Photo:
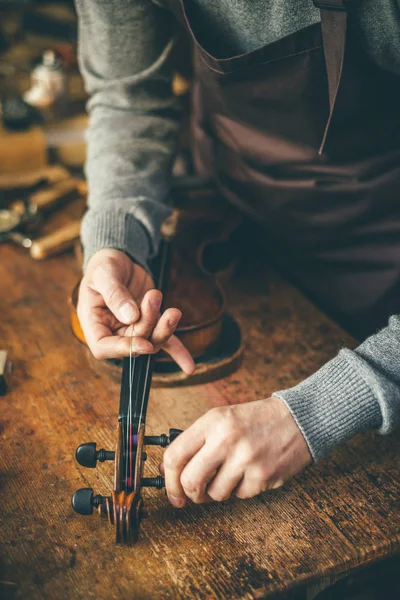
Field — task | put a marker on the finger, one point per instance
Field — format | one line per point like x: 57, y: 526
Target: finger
x: 249, y: 487
x: 162, y: 472
x: 225, y: 481
x: 180, y: 355
x: 98, y: 334
x: 165, y: 327
x: 105, y: 346
x: 173, y: 346
x: 91, y: 316
x: 200, y: 470
x: 149, y: 313
x: 116, y: 296
x: 176, y: 457
x: 162, y: 338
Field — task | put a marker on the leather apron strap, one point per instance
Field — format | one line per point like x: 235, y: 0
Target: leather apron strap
x: 334, y: 29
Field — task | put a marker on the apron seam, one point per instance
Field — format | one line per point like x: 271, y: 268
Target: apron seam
x: 258, y: 64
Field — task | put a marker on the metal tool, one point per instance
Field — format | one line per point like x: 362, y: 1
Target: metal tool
x: 14, y: 225
x: 23, y: 217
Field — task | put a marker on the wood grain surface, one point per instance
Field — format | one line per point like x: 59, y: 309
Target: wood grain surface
x: 332, y: 519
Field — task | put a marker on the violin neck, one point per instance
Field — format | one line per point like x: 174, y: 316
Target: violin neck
x: 137, y: 372
x: 136, y: 378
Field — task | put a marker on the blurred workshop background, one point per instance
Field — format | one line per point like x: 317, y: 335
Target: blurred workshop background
x: 42, y: 129
x: 43, y: 122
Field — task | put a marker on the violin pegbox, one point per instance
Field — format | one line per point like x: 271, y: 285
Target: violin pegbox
x: 125, y: 508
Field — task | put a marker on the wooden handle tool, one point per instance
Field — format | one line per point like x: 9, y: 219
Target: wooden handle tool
x: 27, y: 179
x: 61, y: 192
x: 55, y: 242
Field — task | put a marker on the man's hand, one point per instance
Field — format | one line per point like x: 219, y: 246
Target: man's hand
x: 243, y: 449
x: 116, y: 296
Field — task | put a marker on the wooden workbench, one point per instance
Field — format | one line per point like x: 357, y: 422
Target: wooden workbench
x: 334, y: 518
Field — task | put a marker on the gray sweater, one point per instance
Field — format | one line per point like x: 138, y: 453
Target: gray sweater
x: 125, y: 58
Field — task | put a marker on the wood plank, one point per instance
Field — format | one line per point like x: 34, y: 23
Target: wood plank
x: 335, y: 517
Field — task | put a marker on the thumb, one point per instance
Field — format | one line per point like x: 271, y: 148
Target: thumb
x: 116, y: 296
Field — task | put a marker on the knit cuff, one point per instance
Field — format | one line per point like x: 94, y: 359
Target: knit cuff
x: 332, y: 406
x: 118, y: 230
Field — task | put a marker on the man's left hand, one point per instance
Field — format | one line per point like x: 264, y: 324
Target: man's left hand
x: 244, y: 449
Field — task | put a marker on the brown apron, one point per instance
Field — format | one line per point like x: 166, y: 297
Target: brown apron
x: 304, y: 136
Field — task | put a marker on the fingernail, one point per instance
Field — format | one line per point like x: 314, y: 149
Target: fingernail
x: 139, y: 349
x: 155, y: 303
x: 127, y: 312
x: 172, y: 323
x: 177, y: 502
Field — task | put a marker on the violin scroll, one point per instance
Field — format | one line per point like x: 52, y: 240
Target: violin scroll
x: 124, y: 509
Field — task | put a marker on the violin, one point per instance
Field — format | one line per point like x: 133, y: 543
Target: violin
x: 124, y: 509
x: 185, y: 276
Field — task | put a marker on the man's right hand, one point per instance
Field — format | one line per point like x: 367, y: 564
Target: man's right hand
x: 117, y: 298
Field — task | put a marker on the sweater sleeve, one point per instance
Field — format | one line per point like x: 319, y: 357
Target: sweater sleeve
x: 125, y: 58
x: 356, y: 391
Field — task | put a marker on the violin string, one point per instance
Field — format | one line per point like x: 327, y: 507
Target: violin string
x: 144, y: 390
x: 161, y: 277
x: 129, y: 416
x: 160, y: 280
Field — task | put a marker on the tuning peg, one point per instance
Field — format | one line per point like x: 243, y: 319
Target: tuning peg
x: 162, y: 440
x: 157, y: 482
x: 87, y: 455
x: 83, y: 501
x: 173, y: 434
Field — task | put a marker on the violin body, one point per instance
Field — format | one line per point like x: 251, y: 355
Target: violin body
x: 201, y: 259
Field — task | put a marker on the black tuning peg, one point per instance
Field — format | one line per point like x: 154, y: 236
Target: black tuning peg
x: 83, y: 501
x: 162, y: 440
x: 87, y: 455
x: 157, y: 482
x: 173, y: 434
